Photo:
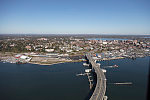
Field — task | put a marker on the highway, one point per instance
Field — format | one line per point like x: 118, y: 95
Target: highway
x: 100, y: 89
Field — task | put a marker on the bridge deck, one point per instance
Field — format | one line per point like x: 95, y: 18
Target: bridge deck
x: 100, y: 88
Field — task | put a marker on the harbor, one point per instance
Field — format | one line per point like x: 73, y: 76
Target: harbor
x: 61, y: 77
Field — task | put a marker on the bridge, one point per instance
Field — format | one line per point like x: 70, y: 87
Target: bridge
x: 100, y: 89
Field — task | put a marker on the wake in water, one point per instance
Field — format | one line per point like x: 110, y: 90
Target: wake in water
x: 122, y: 83
x: 114, y: 66
x: 81, y: 74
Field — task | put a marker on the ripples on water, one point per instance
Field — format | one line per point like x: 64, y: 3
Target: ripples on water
x: 135, y: 71
x: 36, y: 82
x: 59, y: 82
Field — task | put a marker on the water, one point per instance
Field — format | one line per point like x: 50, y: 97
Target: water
x: 106, y: 39
x: 37, y: 82
x: 145, y: 37
x: 59, y: 82
x: 135, y: 71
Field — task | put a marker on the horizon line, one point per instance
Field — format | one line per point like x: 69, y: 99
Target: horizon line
x: 74, y: 34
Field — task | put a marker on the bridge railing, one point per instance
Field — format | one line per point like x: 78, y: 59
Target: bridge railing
x: 100, y: 88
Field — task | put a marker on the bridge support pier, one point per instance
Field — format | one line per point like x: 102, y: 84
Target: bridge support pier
x: 100, y: 88
x: 105, y: 97
x: 90, y: 81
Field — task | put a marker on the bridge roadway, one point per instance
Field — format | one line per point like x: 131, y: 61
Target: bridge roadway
x: 100, y: 89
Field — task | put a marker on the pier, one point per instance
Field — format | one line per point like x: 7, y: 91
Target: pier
x: 100, y: 89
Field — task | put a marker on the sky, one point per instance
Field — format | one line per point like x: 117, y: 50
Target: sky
x: 75, y: 16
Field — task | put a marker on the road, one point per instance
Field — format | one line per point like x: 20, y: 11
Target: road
x: 100, y: 88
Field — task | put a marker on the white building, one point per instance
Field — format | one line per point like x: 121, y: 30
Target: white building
x: 49, y: 50
x: 104, y: 42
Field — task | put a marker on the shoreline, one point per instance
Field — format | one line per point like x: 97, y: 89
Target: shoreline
x: 70, y: 61
x: 45, y: 64
x: 54, y: 63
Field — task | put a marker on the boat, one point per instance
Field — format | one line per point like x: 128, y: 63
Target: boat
x: 88, y: 70
x: 115, y: 66
x: 81, y: 74
x: 85, y: 64
x: 19, y: 62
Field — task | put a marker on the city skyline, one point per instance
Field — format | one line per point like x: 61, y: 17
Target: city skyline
x: 75, y: 16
